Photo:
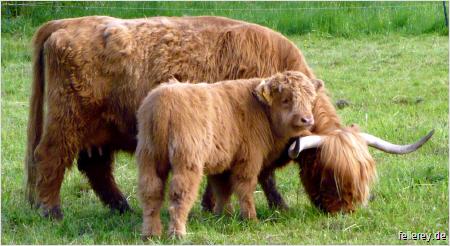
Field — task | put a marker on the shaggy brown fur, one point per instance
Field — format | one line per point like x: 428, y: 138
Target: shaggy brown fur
x: 337, y: 179
x: 240, y: 126
x: 333, y: 186
x: 93, y: 72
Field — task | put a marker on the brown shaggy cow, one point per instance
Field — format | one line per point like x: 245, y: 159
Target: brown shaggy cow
x: 238, y: 125
x: 338, y: 179
x: 93, y: 73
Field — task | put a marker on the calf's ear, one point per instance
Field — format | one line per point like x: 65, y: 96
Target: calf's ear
x: 318, y: 83
x: 262, y: 92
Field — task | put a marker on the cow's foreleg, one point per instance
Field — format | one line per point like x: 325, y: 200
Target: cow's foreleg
x: 268, y: 184
x: 222, y: 190
x: 98, y: 167
x: 208, y: 200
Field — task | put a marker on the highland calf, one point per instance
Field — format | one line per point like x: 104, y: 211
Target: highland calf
x: 239, y: 126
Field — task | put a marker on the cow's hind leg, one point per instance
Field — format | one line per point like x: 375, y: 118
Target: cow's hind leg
x: 97, y: 165
x: 53, y: 155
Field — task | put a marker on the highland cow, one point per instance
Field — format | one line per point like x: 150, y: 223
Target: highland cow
x: 93, y: 72
x: 239, y: 126
x: 338, y: 179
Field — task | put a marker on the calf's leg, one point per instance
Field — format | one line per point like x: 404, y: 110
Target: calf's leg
x: 151, y: 183
x: 244, y: 184
x: 98, y: 168
x: 183, y: 192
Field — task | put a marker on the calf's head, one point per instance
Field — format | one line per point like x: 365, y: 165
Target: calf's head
x: 289, y: 97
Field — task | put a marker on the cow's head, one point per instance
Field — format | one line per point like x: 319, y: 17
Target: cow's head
x: 289, y: 97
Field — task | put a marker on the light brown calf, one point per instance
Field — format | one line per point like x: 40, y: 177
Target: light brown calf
x: 239, y: 126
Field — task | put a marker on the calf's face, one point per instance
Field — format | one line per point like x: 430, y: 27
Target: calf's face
x: 290, y: 97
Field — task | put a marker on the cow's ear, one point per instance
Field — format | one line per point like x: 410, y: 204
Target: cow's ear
x: 318, y: 83
x: 262, y: 92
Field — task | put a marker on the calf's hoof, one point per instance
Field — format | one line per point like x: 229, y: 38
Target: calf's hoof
x: 177, y: 231
x: 228, y: 210
x: 53, y: 213
x: 153, y: 230
x: 146, y: 238
x: 225, y: 209
x: 250, y: 217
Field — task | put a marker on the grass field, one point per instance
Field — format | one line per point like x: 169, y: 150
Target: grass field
x: 397, y: 86
x: 344, y: 19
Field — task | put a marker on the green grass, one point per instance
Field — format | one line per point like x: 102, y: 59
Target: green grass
x: 335, y: 18
x: 397, y: 86
x: 381, y: 76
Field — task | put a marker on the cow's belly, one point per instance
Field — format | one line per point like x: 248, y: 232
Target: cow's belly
x: 108, y: 135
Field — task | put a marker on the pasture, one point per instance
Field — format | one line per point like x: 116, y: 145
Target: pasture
x: 396, y: 83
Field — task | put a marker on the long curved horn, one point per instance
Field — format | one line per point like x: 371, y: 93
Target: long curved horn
x: 315, y: 141
x: 385, y: 146
x: 302, y: 143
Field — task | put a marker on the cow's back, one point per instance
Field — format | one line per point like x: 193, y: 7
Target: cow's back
x: 110, y: 64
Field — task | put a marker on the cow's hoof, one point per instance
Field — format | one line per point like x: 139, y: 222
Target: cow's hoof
x: 121, y: 206
x: 53, y: 213
x: 208, y: 204
x: 280, y: 206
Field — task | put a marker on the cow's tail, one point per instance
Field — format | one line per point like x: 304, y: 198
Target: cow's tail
x: 35, y: 118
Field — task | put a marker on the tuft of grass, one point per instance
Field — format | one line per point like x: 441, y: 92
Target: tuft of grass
x: 343, y: 19
x: 381, y: 75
